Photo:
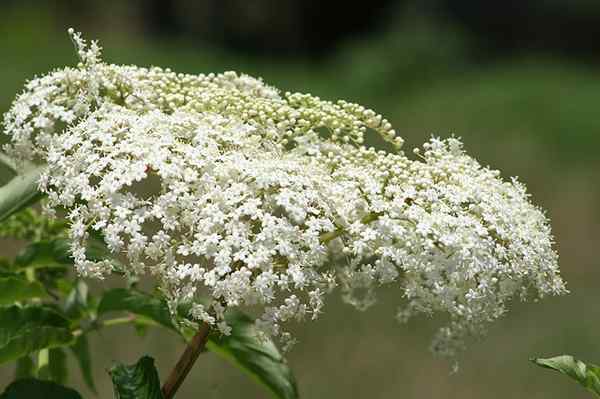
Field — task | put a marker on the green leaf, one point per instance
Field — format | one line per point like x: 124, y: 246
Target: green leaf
x: 588, y: 375
x: 14, y: 319
x: 136, y: 302
x: 141, y: 327
x: 58, y: 365
x: 139, y: 380
x: 56, y: 369
x: 97, y: 250
x: 27, y: 329
x: 45, y: 254
x: 5, y: 266
x: 77, y: 301
x: 28, y: 224
x: 38, y: 389
x: 20, y: 192
x: 57, y: 254
x: 33, y: 340
x: 81, y: 350
x: 8, y: 169
x: 257, y: 356
x: 15, y: 289
x: 25, y: 368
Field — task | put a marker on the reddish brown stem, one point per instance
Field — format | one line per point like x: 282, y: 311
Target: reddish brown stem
x: 185, y: 362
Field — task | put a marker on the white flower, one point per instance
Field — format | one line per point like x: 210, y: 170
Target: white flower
x: 218, y: 185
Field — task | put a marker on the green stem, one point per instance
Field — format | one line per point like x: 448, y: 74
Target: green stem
x: 118, y: 320
x: 105, y: 323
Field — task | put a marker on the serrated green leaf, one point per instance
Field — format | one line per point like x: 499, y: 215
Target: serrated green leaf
x: 38, y: 389
x: 27, y: 329
x: 256, y: 356
x: 25, y: 368
x: 20, y: 192
x: 56, y: 369
x: 136, y: 302
x: 33, y: 340
x: 14, y: 319
x: 81, y: 350
x: 15, y: 316
x: 587, y: 375
x: 16, y: 289
x: 139, y: 380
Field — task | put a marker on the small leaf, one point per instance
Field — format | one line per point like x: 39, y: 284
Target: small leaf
x: 30, y: 328
x: 20, y: 192
x: 81, y: 350
x: 25, y: 368
x: 588, y: 375
x: 38, y: 389
x: 139, y: 380
x: 257, y: 356
x: 16, y: 289
x: 136, y: 302
x: 56, y: 369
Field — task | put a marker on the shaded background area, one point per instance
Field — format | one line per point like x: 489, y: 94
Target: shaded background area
x: 519, y: 81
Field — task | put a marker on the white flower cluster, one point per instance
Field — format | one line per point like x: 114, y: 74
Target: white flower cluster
x: 220, y: 186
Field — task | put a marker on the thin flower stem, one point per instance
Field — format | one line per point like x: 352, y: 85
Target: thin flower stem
x: 185, y: 362
x: 106, y: 323
x: 118, y: 320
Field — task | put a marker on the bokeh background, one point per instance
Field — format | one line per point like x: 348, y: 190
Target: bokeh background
x: 519, y: 81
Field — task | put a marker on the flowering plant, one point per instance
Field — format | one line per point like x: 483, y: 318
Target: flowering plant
x: 233, y: 196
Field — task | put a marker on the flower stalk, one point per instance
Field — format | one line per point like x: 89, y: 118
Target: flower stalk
x: 185, y: 362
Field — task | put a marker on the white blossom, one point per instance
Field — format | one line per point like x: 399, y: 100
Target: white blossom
x: 220, y: 186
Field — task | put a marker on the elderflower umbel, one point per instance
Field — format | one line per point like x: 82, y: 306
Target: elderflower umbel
x: 221, y: 186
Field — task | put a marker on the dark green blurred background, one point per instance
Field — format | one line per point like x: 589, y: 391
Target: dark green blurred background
x: 519, y: 81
